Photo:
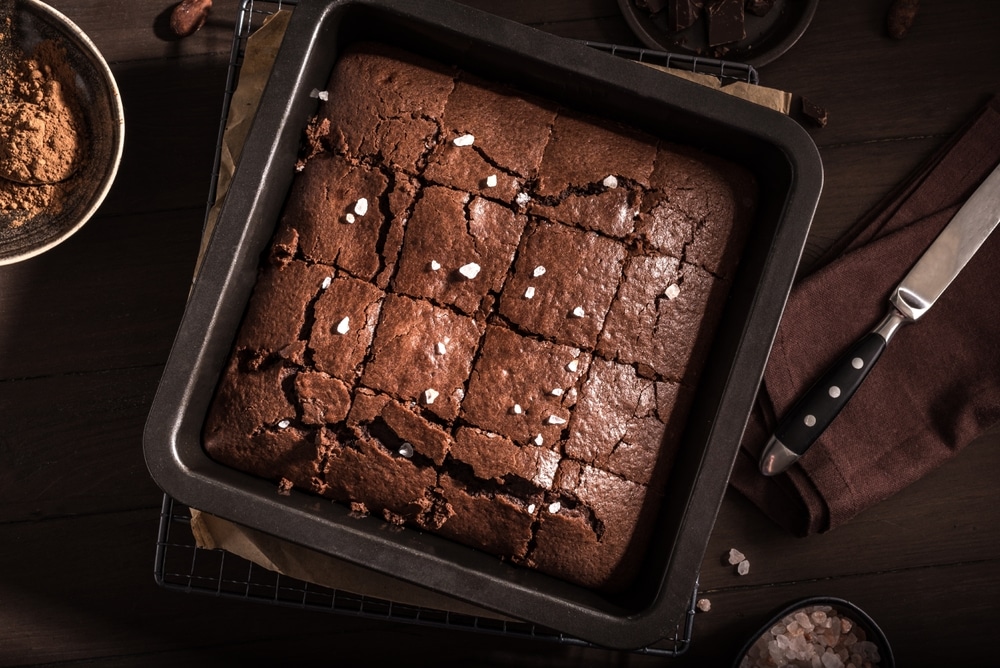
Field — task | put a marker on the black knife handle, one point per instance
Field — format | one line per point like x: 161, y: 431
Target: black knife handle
x: 817, y: 408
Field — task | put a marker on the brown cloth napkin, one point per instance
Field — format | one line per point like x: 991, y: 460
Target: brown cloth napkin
x: 936, y: 387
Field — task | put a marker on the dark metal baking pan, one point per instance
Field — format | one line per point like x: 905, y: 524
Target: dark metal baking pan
x: 774, y: 148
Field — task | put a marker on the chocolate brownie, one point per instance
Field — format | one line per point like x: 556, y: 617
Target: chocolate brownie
x: 563, y: 283
x: 447, y: 231
x: 483, y: 315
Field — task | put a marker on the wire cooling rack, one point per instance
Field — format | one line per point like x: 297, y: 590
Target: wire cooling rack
x: 181, y: 565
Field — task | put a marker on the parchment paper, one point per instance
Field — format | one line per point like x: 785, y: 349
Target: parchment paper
x: 211, y: 532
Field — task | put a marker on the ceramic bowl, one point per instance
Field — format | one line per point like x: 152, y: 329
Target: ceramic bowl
x: 103, y: 121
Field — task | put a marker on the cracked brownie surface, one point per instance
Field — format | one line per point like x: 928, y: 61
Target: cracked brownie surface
x: 483, y: 315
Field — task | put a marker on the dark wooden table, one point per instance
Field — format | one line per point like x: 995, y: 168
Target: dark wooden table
x: 86, y: 327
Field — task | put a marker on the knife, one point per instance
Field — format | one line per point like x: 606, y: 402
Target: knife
x: 927, y: 279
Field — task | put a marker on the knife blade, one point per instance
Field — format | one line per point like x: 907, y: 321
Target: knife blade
x: 930, y: 276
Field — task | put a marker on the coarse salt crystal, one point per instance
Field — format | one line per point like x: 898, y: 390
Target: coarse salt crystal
x: 672, y: 291
x: 522, y: 199
x: 321, y: 94
x: 578, y: 312
x: 554, y: 507
x: 283, y: 424
x: 531, y: 508
x: 440, y: 348
x: 704, y: 605
x: 529, y: 292
x: 491, y: 181
x: 470, y: 270
x: 435, y: 265
x: 573, y: 366
x: 556, y: 392
x: 539, y: 440
x: 610, y: 181
x: 430, y: 394
x: 555, y: 419
x: 743, y: 567
x: 516, y: 409
x: 406, y: 450
x: 464, y: 140
x: 349, y: 219
x: 361, y: 206
x: 539, y: 271
x: 734, y: 557
x: 344, y: 326
x: 326, y: 283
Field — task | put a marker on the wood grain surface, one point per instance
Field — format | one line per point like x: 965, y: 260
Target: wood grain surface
x: 85, y: 330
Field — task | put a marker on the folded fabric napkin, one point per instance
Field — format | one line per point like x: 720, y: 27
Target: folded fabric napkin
x: 936, y: 387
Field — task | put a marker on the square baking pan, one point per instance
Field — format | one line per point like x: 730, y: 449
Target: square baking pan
x: 780, y: 154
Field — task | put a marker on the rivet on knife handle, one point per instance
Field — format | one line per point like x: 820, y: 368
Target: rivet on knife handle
x: 816, y: 409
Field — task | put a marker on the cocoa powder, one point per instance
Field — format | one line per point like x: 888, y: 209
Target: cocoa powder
x: 42, y: 140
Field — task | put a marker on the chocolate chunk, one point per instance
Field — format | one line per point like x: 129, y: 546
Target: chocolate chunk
x: 682, y: 14
x: 725, y: 22
x: 901, y: 16
x: 814, y: 113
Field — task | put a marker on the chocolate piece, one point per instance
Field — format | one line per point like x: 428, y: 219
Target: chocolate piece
x: 759, y: 7
x: 449, y: 229
x: 682, y: 14
x: 510, y: 133
x: 492, y: 522
x: 668, y: 329
x: 391, y: 116
x: 725, y: 21
x: 344, y: 321
x: 404, y: 359
x: 612, y: 212
x: 276, y: 313
x: 426, y: 438
x: 621, y: 421
x: 322, y: 398
x: 814, y: 113
x: 581, y: 271
x: 701, y: 209
x: 605, y: 528
x: 494, y: 457
x: 581, y: 153
x: 900, y: 19
x: 329, y: 230
x: 514, y: 370
x: 250, y: 427
x: 367, y: 471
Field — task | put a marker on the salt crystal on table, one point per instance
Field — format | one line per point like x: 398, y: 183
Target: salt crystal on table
x: 743, y: 567
x: 704, y: 605
x: 734, y: 557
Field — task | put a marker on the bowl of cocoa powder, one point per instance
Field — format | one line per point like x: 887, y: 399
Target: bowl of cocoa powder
x: 62, y: 129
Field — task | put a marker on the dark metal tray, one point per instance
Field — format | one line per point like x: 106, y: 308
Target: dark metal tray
x: 789, y: 173
x: 182, y: 566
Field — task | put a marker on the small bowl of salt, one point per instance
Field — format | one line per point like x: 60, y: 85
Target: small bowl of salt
x: 818, y: 632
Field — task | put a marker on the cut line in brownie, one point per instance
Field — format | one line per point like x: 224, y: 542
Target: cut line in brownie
x: 483, y: 315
